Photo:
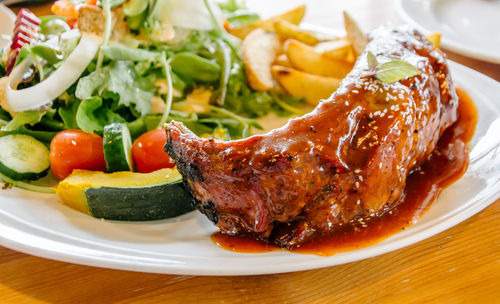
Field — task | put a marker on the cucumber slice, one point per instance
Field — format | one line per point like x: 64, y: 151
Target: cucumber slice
x: 22, y: 157
x: 117, y: 147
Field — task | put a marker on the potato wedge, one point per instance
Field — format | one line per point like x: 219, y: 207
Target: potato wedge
x: 300, y: 84
x: 258, y: 51
x: 293, y: 16
x: 307, y: 59
x: 434, y: 38
x: 355, y: 34
x: 337, y: 49
x: 287, y: 30
x: 283, y: 61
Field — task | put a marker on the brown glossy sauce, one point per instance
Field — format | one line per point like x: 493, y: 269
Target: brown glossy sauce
x: 446, y: 164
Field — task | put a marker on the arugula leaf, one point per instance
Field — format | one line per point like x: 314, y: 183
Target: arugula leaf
x: 396, y: 70
x: 92, y: 115
x: 121, y: 52
x: 232, y: 5
x: 241, y: 18
x: 47, y: 52
x: 68, y: 115
x: 223, y: 54
x: 240, y: 98
x: 23, y: 118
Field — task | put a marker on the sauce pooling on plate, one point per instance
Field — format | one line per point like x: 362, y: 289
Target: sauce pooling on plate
x: 447, y: 163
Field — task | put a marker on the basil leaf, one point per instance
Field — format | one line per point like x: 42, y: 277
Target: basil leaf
x: 372, y: 61
x: 395, y: 70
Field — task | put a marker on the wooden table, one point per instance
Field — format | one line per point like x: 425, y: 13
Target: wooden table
x: 460, y: 265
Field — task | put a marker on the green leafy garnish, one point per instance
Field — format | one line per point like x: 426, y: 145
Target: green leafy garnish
x: 168, y: 75
x: 372, y: 61
x: 92, y: 115
x: 390, y: 71
x: 121, y: 52
x: 23, y: 118
x: 25, y: 186
x: 119, y: 77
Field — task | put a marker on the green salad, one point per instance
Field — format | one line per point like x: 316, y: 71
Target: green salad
x: 118, y: 70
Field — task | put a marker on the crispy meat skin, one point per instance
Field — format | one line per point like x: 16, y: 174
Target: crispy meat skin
x: 348, y: 158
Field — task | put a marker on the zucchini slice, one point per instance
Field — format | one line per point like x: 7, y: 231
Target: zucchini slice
x: 117, y: 147
x: 126, y: 196
x: 22, y: 157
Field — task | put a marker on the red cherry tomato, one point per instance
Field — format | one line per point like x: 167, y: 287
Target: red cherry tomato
x: 148, y: 153
x: 76, y: 149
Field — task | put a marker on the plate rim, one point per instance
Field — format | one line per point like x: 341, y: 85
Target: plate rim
x: 446, y: 43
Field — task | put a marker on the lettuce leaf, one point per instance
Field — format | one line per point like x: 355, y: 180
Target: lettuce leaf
x: 121, y: 78
x: 93, y: 114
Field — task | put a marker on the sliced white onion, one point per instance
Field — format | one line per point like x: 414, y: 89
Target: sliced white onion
x: 60, y: 80
x: 189, y: 14
x: 54, y: 41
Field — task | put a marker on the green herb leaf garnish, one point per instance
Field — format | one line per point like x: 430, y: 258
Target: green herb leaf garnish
x: 390, y: 71
x: 372, y: 61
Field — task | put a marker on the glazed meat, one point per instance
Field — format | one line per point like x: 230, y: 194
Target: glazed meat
x: 347, y: 159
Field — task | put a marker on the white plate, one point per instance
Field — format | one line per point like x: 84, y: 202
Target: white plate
x: 7, y: 19
x: 40, y: 225
x: 468, y: 27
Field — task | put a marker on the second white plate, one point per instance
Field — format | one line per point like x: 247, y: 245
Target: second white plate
x: 468, y: 27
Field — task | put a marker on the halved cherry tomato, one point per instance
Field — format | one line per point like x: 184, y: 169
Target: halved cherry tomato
x: 148, y: 153
x: 76, y: 149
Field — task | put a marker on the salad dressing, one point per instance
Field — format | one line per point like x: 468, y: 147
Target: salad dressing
x: 446, y: 164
